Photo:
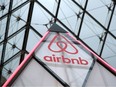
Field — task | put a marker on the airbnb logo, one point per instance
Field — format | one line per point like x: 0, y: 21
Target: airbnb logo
x: 62, y: 45
x: 59, y: 44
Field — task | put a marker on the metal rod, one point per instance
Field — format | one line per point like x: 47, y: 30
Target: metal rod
x: 57, y: 10
x: 5, y: 39
x: 106, y: 34
x: 82, y: 19
x: 27, y: 29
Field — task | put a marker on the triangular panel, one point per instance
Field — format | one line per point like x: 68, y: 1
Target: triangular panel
x: 35, y: 72
x: 67, y: 60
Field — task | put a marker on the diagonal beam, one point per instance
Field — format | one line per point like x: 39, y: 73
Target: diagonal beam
x: 27, y: 29
x: 32, y: 28
x: 5, y: 38
x: 82, y: 19
x: 106, y: 34
x: 56, y: 15
x: 12, y: 58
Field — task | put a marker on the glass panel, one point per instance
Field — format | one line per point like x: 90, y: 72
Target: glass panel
x: 10, y: 67
x: 113, y: 24
x: 14, y: 45
x: 70, y: 15
x: 4, y: 6
x: 17, y: 3
x: 100, y: 10
x: 32, y: 42
x: 18, y: 19
x: 92, y: 34
x: 41, y: 20
x: 2, y: 29
x: 51, y: 5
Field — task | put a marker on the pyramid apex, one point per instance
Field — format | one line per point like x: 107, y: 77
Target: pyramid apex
x: 57, y: 28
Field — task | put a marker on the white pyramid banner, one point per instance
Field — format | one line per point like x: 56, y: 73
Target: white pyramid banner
x: 65, y: 58
x: 61, y: 60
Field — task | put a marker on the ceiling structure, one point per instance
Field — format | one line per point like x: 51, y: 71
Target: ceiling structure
x: 24, y: 22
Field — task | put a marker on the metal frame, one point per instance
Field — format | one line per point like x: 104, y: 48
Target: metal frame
x: 5, y: 38
x: 28, y: 26
x: 27, y: 29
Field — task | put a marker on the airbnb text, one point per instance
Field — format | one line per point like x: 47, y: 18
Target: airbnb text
x: 65, y: 60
